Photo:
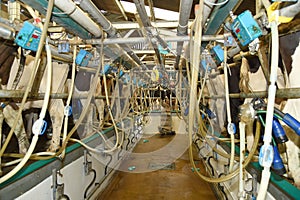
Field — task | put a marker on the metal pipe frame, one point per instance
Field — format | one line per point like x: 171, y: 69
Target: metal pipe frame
x: 157, y: 24
x: 134, y: 40
x: 151, y: 32
x: 6, y: 31
x: 289, y: 93
x: 185, y: 11
x: 90, y: 7
x: 18, y: 94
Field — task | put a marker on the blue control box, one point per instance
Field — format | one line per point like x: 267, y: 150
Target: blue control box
x: 246, y: 28
x: 218, y: 53
x: 29, y: 36
x: 83, y: 57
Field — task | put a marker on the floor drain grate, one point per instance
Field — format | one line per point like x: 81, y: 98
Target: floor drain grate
x: 166, y: 166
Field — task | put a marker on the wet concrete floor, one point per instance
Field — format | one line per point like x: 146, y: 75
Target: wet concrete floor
x: 174, y: 179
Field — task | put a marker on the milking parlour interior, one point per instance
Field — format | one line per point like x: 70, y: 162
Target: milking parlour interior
x: 149, y: 99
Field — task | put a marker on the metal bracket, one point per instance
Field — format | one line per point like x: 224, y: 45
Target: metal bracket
x: 86, y: 164
x: 58, y: 189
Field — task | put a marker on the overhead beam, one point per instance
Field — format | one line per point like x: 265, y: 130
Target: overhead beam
x: 219, y: 15
x: 59, y: 17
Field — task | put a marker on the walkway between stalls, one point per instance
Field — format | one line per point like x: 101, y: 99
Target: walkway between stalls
x: 174, y: 181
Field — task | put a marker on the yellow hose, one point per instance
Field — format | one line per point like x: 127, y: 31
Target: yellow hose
x: 234, y: 172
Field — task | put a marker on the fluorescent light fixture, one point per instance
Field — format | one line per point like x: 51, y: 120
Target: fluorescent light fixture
x: 159, y: 13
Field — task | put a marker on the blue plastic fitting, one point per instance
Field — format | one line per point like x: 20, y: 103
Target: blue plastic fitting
x: 277, y: 164
x: 266, y: 155
x: 107, y: 69
x: 231, y: 128
x: 186, y: 112
x: 68, y: 111
x: 292, y: 122
x: 278, y: 132
x: 210, y: 113
x: 83, y: 57
x: 121, y: 73
x: 44, y: 127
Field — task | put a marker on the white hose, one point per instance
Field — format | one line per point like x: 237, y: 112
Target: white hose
x: 49, y: 79
x: 65, y: 132
x: 270, y: 111
x: 229, y: 122
x: 23, y: 162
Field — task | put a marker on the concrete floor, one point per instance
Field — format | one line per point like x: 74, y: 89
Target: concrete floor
x: 166, y: 183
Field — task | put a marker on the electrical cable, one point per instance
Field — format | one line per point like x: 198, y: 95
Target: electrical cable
x: 36, y: 135
x: 91, y: 183
x: 264, y: 112
x: 20, y: 70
